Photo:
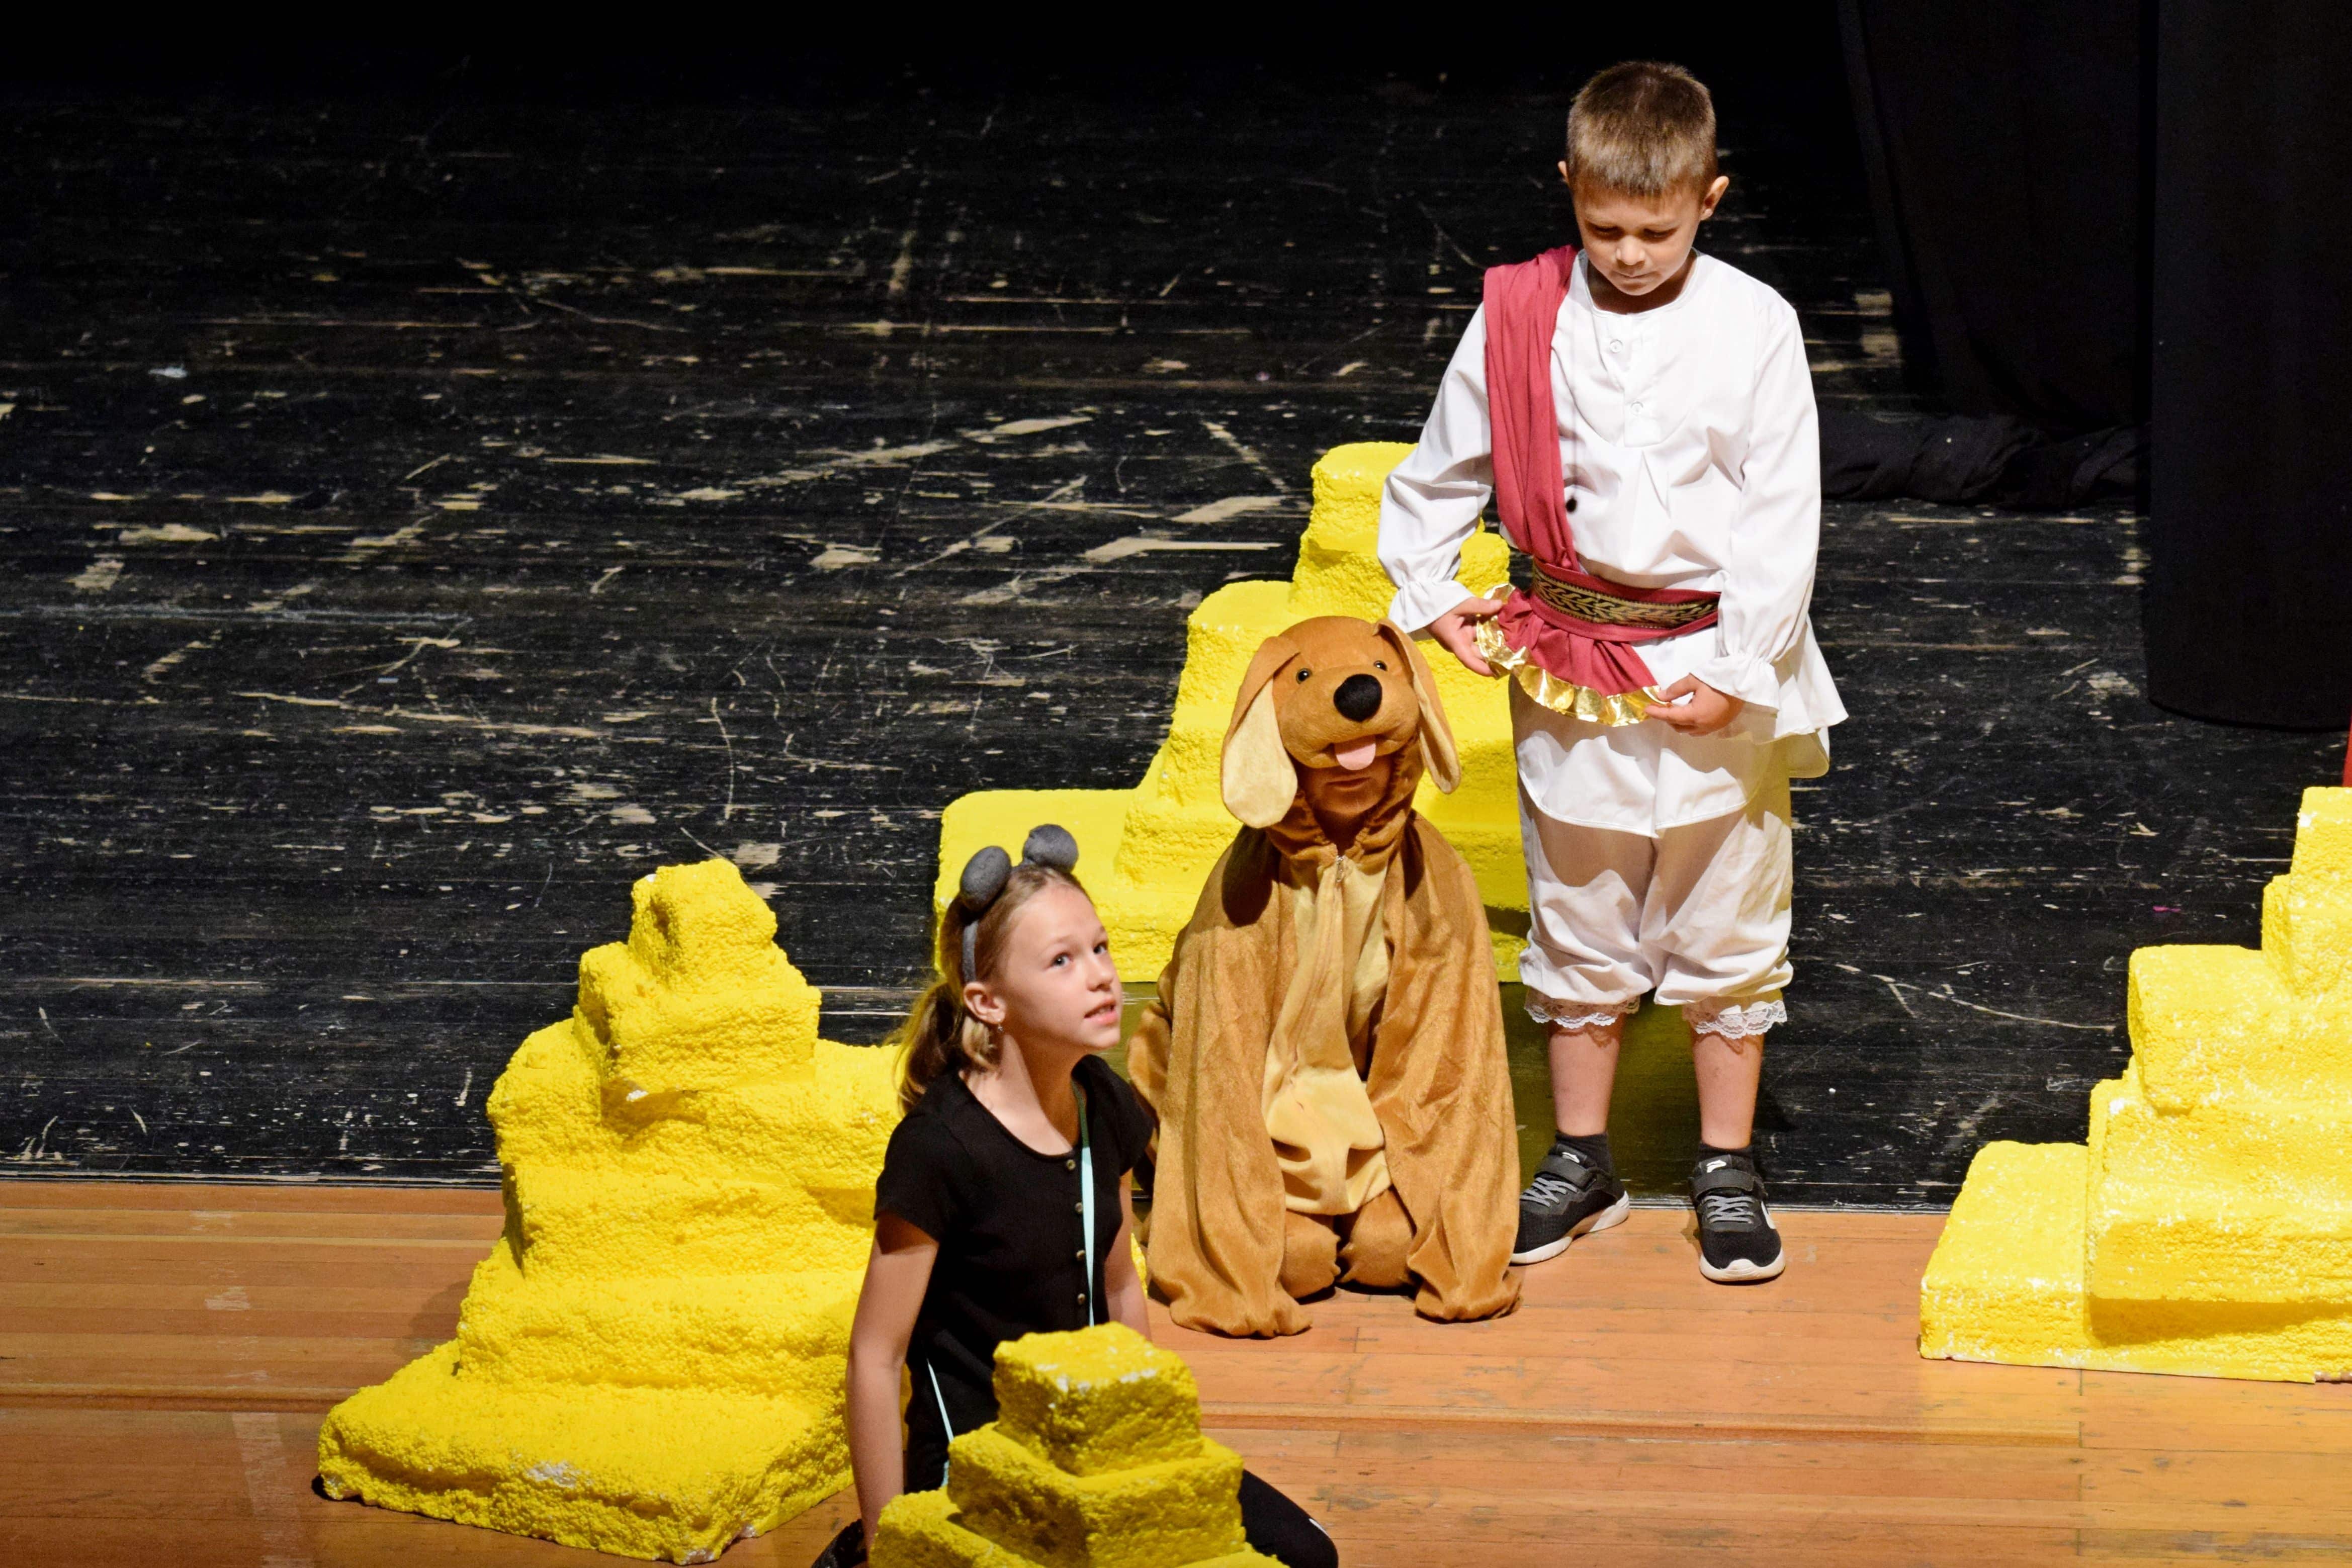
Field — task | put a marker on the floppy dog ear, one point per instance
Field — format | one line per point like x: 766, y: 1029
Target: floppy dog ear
x: 1438, y: 757
x: 1259, y: 779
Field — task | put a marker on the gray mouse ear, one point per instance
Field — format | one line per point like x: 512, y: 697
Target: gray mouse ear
x: 984, y: 879
x: 1050, y: 844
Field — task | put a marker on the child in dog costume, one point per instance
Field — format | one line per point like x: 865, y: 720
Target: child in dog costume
x: 1326, y: 1051
x: 1643, y: 417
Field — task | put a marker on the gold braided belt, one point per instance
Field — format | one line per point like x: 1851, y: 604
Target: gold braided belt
x: 1608, y: 610
x: 1607, y: 709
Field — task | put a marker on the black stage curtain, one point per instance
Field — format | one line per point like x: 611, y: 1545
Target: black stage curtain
x: 2249, y: 602
x: 2002, y: 142
x: 2105, y: 212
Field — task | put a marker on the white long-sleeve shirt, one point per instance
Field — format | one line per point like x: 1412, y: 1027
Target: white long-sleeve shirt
x: 1688, y: 442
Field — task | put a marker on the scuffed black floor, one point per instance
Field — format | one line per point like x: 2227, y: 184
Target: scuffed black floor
x: 422, y: 518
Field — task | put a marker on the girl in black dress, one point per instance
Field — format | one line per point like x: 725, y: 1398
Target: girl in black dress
x: 981, y: 1214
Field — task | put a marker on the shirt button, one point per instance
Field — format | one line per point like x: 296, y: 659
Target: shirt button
x: 1069, y: 1164
x: 1080, y: 1254
x: 1082, y: 1298
x: 1637, y: 408
x: 1617, y: 347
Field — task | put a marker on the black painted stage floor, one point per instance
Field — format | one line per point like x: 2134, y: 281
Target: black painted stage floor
x: 423, y: 517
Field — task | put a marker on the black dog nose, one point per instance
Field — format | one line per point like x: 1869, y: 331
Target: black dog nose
x: 1358, y: 696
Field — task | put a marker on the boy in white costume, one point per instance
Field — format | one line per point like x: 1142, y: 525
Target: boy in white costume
x: 1643, y: 417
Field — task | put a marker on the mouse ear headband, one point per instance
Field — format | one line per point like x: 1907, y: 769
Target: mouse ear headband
x: 986, y: 873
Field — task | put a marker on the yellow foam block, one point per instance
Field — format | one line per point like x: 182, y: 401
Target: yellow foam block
x: 2322, y: 837
x: 2246, y: 1152
x: 2234, y: 1202
x: 919, y: 1530
x: 672, y: 1474
x: 2006, y: 1280
x: 699, y: 988
x: 782, y: 1335
x: 1091, y: 1403
x: 2308, y: 935
x: 1339, y: 571
x: 554, y: 1104
x: 2207, y: 1228
x: 1096, y: 1461
x: 2006, y: 1285
x: 1170, y: 1511
x: 650, y: 1360
x: 2209, y: 1022
x: 1144, y: 852
x: 588, y: 1223
x: 2273, y: 1252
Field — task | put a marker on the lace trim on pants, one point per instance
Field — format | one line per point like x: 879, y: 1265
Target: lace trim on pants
x: 1576, y: 1015
x: 1732, y: 1021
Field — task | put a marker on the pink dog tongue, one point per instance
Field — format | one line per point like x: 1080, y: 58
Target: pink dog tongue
x: 1357, y: 756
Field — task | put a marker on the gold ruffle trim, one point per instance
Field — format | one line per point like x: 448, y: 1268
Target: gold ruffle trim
x: 1605, y: 709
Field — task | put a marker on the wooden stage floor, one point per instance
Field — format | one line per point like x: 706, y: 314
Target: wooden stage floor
x: 166, y: 1352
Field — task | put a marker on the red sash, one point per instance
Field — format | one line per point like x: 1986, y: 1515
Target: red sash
x: 1523, y: 304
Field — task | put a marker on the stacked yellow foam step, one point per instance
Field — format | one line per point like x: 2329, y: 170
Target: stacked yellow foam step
x: 651, y: 1359
x: 1095, y: 1460
x: 1144, y: 852
x: 2207, y: 1228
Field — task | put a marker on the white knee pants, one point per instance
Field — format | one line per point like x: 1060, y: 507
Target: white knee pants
x: 1699, y: 914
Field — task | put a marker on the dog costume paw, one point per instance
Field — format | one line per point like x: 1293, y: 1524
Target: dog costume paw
x: 1379, y: 1237
x: 1310, y: 1254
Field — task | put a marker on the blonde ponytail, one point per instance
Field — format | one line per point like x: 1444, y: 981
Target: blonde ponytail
x: 938, y: 1035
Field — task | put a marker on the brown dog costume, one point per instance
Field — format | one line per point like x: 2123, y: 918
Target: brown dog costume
x: 1325, y: 1052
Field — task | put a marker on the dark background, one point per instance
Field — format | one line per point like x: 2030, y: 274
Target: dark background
x: 440, y: 487
x: 2122, y: 217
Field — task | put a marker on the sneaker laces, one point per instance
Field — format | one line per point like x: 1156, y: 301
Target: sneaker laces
x: 1728, y: 1211
x: 1547, y: 1188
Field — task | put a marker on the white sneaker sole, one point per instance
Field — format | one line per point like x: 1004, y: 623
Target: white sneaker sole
x: 1613, y: 1215
x: 1739, y: 1271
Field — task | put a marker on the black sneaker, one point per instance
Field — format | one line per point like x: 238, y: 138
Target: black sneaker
x: 1736, y: 1242
x: 1568, y: 1197
x: 847, y: 1550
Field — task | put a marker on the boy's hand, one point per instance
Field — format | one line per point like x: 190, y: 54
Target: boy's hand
x: 1453, y: 631
x: 1707, y: 712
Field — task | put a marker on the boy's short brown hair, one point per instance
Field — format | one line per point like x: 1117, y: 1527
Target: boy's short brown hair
x: 1643, y: 129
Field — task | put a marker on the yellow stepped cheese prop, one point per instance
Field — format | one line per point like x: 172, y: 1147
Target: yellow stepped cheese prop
x: 1146, y: 851
x: 2207, y: 1228
x: 650, y: 1362
x: 1095, y: 1460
